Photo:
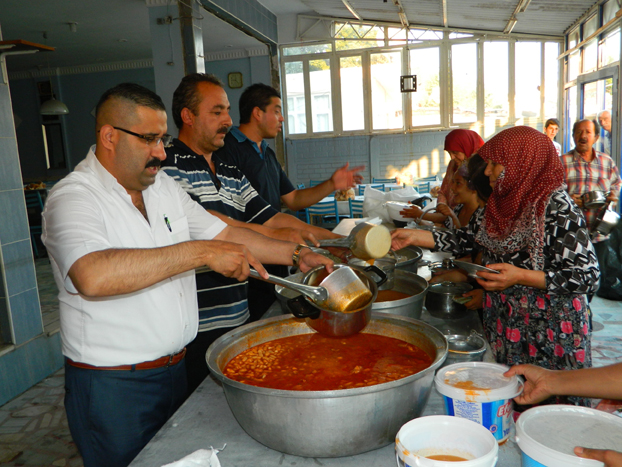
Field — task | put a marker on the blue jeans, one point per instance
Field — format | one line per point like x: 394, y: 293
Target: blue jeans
x: 113, y: 414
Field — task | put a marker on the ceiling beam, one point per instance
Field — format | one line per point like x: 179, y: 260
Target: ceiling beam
x: 444, y: 12
x: 521, y: 7
x: 351, y: 10
x: 401, y: 13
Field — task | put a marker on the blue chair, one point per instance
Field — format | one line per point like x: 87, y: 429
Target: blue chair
x: 356, y: 208
x: 313, y: 183
x: 422, y: 187
x: 34, y: 208
x: 431, y: 178
x: 377, y: 187
x: 384, y: 180
x: 300, y: 186
x: 324, y: 214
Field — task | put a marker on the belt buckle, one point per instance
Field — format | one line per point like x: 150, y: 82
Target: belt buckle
x: 170, y: 360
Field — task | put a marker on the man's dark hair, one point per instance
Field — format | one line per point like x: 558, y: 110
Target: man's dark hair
x: 186, y: 94
x: 132, y: 92
x: 551, y: 121
x: 257, y: 95
x: 594, y: 121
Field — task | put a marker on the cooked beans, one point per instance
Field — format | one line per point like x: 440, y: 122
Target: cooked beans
x: 312, y: 362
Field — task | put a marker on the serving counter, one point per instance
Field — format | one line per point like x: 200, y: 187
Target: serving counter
x: 205, y: 421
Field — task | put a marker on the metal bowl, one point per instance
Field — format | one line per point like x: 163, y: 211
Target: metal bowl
x: 594, y: 199
x: 336, y: 423
x: 463, y: 348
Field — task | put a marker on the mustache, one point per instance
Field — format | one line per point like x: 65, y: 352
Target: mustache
x: 224, y: 130
x: 154, y: 162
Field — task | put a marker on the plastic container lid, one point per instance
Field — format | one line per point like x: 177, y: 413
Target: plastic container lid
x: 477, y: 382
x: 548, y: 434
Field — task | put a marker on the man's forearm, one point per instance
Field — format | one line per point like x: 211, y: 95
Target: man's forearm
x: 306, y: 197
x: 282, y: 220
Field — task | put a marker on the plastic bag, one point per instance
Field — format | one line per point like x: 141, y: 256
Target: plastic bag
x: 373, y: 205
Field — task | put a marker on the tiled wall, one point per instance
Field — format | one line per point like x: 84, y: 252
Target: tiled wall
x: 33, y: 355
x: 412, y: 154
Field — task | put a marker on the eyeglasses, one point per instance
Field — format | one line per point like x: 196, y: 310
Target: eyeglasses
x: 150, y: 140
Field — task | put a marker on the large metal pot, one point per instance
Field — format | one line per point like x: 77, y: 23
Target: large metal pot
x: 408, y: 283
x: 336, y: 423
x: 440, y: 301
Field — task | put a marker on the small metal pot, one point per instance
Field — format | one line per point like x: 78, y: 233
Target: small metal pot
x: 606, y: 220
x: 594, y: 199
x: 440, y: 301
x: 409, y: 258
x: 463, y: 348
x: 335, y: 323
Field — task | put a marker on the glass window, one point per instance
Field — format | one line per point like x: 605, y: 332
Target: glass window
x: 295, y: 84
x: 590, y: 56
x: 573, y: 38
x: 573, y: 65
x: 609, y: 10
x: 386, y: 97
x: 464, y: 82
x: 321, y: 108
x: 418, y: 35
x: 590, y: 26
x: 397, y: 36
x: 571, y: 115
x: 308, y: 49
x: 459, y: 35
x: 527, y: 82
x: 358, y: 36
x: 352, y: 101
x: 496, y: 102
x: 426, y: 102
x: 610, y: 49
x: 551, y: 79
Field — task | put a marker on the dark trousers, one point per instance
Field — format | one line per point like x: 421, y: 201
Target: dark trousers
x: 196, y: 365
x: 112, y: 415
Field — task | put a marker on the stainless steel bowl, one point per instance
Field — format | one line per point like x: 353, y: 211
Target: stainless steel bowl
x: 594, y: 199
x: 327, y: 423
x: 408, y: 283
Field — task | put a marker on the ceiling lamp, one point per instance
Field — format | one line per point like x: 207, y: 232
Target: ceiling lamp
x: 53, y: 107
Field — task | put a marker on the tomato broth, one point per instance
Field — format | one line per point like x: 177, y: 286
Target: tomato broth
x: 313, y: 362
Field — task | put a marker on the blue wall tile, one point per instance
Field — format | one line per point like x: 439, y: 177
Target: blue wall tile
x: 10, y: 175
x: 19, y: 267
x: 26, y: 315
x: 12, y: 207
x: 27, y: 365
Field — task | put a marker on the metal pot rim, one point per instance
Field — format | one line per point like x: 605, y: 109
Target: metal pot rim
x: 216, y: 372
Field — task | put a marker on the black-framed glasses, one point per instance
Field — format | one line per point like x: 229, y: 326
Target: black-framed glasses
x: 150, y: 140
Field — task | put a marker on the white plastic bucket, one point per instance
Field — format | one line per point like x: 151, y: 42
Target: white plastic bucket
x: 444, y: 435
x: 479, y: 392
x: 547, y: 435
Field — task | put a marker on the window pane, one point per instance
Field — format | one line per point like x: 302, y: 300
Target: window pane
x: 527, y: 101
x: 610, y: 48
x: 321, y: 108
x: 397, y: 36
x: 496, y: 103
x: 424, y: 35
x: 571, y: 115
x: 353, y: 115
x: 308, y: 49
x: 573, y: 38
x: 590, y: 56
x: 590, y: 26
x: 573, y: 65
x: 459, y: 35
x: 425, y: 63
x: 609, y: 11
x: 294, y: 82
x: 464, y: 82
x: 359, y: 36
x: 551, y: 79
x: 386, y: 97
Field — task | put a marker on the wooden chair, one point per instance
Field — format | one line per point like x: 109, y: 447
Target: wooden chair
x: 323, y: 214
x: 384, y: 180
x: 34, y: 208
x: 377, y: 187
x: 356, y: 208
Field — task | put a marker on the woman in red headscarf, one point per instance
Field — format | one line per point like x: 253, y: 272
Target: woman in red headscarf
x: 535, y: 309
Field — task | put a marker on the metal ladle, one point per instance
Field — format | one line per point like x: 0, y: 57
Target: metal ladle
x: 317, y: 294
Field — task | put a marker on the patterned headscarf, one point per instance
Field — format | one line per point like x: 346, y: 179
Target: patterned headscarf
x: 514, y: 218
x: 465, y: 141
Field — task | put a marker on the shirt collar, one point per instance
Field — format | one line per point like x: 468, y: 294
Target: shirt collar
x: 241, y: 137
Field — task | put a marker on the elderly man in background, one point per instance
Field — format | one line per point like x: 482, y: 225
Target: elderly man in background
x: 124, y: 240
x: 604, y: 118
x: 585, y: 170
x: 201, y: 113
x: 551, y: 127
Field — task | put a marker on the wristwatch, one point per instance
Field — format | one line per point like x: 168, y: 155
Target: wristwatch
x: 296, y: 254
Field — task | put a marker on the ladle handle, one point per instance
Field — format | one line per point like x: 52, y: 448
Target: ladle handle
x: 338, y: 242
x: 314, y: 293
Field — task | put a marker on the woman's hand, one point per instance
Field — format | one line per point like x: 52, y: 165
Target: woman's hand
x: 610, y: 458
x: 537, y: 383
x: 477, y: 299
x: 401, y: 238
x: 577, y: 200
x: 508, y: 276
x: 414, y: 212
x: 444, y: 209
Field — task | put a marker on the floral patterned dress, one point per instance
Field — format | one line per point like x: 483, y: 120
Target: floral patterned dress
x: 548, y: 328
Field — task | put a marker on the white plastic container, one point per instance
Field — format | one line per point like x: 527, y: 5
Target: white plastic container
x: 444, y: 435
x: 547, y: 435
x: 479, y: 392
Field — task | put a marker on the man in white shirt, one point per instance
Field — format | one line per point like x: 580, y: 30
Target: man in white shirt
x: 124, y: 240
x: 604, y: 142
x: 551, y: 127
